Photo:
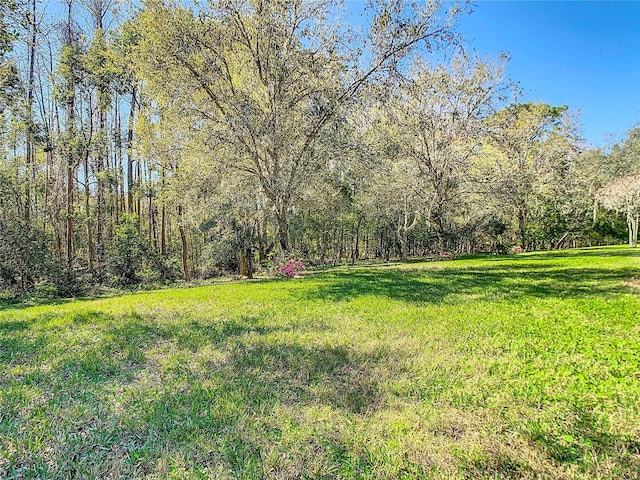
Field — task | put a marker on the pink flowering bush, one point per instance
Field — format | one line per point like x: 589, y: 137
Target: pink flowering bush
x: 516, y: 249
x: 290, y: 269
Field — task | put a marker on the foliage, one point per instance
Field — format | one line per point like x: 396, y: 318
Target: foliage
x: 291, y: 268
x: 529, y: 147
x: 623, y: 195
x: 241, y: 130
x: 25, y: 258
x: 269, y: 78
x: 130, y: 254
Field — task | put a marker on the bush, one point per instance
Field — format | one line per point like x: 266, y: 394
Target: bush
x: 132, y: 259
x: 25, y: 258
x: 218, y: 256
x: 291, y: 268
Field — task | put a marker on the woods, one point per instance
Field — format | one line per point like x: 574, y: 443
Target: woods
x: 152, y: 142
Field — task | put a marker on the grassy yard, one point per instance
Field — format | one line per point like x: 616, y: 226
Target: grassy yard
x: 502, y: 367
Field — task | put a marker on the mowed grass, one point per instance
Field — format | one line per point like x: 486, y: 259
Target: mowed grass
x: 501, y: 367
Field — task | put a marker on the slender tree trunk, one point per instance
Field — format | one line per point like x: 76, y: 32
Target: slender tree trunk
x: 561, y: 241
x: 154, y: 226
x: 163, y: 223
x: 163, y: 231
x: 403, y: 229
x: 58, y: 241
x: 87, y: 197
x: 69, y: 212
x: 183, y: 241
x: 29, y: 160
x: 132, y: 113
x: 100, y: 196
x: 139, y: 199
x: 355, y: 251
x: 117, y: 152
x: 70, y: 111
x: 633, y: 224
x: 249, y: 262
x: 151, y: 216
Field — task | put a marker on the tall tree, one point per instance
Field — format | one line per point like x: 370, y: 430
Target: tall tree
x: 101, y: 76
x: 526, y: 140
x: 623, y: 196
x: 438, y: 115
x: 270, y: 76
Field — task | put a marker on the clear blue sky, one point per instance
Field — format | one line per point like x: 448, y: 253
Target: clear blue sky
x: 585, y: 54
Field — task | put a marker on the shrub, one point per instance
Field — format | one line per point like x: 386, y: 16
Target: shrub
x: 446, y: 256
x: 25, y: 258
x: 291, y: 268
x: 132, y: 259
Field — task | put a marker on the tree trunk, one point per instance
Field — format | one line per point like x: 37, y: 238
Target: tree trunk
x: 139, y: 199
x: 70, y: 111
x: 249, y: 256
x: 283, y: 229
x: 29, y: 160
x: 87, y: 196
x: 100, y: 198
x: 522, y: 227
x: 153, y: 234
x: 355, y: 251
x: 633, y: 224
x: 120, y: 190
x: 246, y: 266
x: 183, y: 241
x: 403, y: 229
x: 402, y: 244
x: 163, y: 222
x: 163, y: 231
x: 561, y: 241
x: 69, y: 212
x: 243, y: 264
x: 132, y: 113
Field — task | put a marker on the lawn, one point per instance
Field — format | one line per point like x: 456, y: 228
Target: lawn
x: 524, y: 366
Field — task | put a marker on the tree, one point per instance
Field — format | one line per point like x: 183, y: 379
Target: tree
x: 438, y: 115
x: 8, y: 72
x: 270, y: 76
x: 527, y: 141
x: 25, y: 254
x: 623, y: 196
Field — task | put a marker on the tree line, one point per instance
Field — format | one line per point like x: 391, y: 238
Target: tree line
x: 158, y: 141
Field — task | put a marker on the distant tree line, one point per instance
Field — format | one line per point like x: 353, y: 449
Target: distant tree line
x: 171, y: 141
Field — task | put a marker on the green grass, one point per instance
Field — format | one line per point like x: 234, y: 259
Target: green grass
x: 501, y: 367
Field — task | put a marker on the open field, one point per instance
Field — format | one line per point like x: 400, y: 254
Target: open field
x: 503, y: 367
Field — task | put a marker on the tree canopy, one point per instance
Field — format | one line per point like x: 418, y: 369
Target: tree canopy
x: 141, y: 143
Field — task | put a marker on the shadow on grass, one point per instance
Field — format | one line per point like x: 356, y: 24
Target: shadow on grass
x: 587, y: 435
x: 591, y: 252
x: 179, y: 383
x: 21, y: 303
x: 420, y: 286
x: 618, y: 251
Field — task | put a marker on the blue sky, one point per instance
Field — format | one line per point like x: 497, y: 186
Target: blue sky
x: 585, y: 54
